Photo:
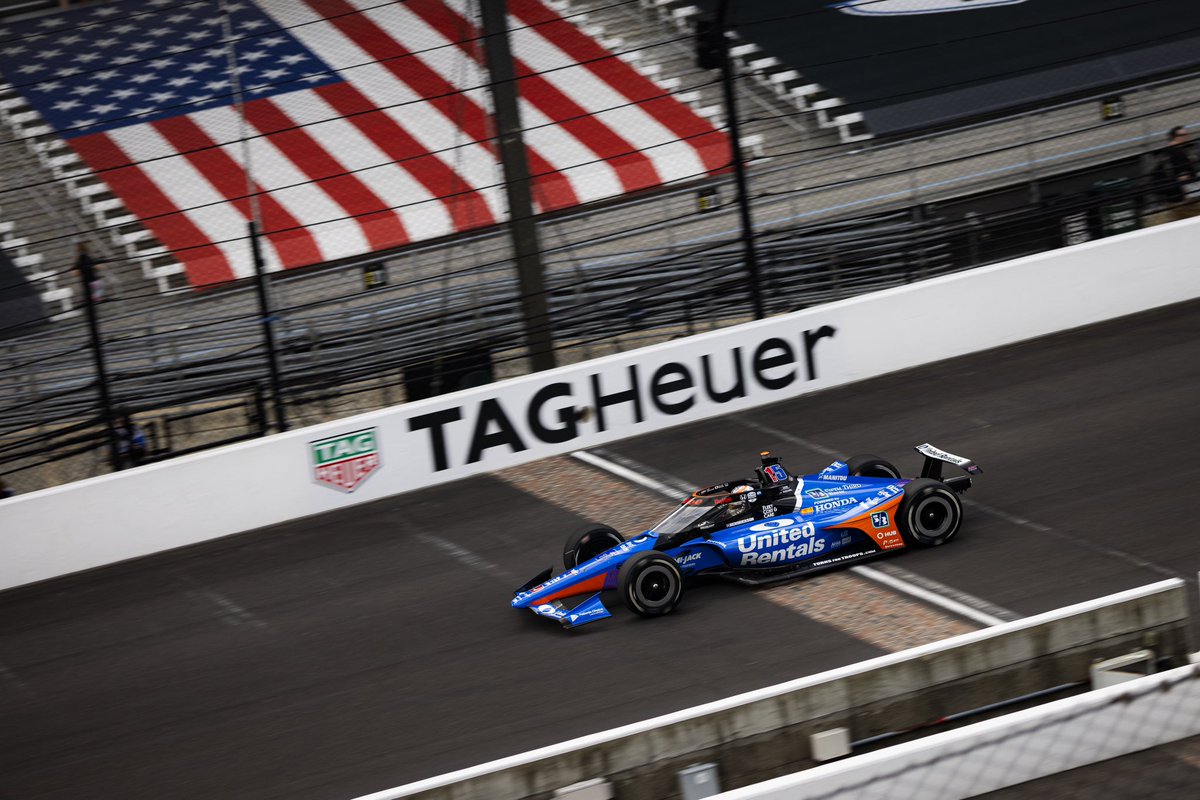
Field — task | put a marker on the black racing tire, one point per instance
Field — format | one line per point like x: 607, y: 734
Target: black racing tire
x: 930, y: 513
x: 869, y: 466
x: 587, y: 542
x: 650, y: 583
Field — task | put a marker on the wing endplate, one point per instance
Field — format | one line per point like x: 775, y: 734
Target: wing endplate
x: 935, y: 457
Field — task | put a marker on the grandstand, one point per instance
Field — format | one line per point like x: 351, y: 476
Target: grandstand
x: 889, y: 67
x: 637, y: 208
x: 346, y: 131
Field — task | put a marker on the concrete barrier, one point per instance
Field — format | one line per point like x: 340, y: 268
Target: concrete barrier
x: 765, y: 733
x: 363, y: 458
x: 995, y: 754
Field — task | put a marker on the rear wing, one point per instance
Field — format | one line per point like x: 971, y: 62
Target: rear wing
x: 935, y: 457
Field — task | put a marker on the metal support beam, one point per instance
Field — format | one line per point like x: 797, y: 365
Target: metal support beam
x: 750, y: 252
x: 517, y: 185
x: 267, y: 317
x: 89, y: 277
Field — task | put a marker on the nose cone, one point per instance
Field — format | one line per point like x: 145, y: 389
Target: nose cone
x: 524, y: 599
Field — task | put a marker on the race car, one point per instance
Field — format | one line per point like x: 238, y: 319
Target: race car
x: 773, y: 527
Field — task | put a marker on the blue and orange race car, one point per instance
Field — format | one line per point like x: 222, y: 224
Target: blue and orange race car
x: 770, y: 528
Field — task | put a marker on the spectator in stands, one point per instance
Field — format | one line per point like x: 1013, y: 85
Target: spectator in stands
x: 1180, y: 184
x: 6, y: 491
x: 102, y: 284
x: 131, y: 441
x: 92, y: 273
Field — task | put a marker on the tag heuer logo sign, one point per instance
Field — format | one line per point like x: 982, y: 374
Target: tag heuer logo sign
x: 345, y: 461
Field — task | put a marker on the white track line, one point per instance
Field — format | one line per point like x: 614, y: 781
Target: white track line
x: 952, y: 600
x: 465, y: 556
x: 1081, y: 542
x: 628, y: 474
x: 937, y: 594
x: 229, y: 612
x: 792, y: 438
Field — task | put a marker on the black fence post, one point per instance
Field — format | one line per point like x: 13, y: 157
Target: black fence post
x: 719, y: 38
x: 89, y: 278
x: 268, y: 319
x: 518, y: 184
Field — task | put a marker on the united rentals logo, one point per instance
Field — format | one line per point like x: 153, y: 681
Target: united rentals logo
x: 345, y: 461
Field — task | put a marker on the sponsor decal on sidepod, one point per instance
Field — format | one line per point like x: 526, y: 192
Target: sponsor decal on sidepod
x: 777, y: 540
x: 830, y: 505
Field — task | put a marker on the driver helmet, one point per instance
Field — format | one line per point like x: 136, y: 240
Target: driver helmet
x: 742, y: 497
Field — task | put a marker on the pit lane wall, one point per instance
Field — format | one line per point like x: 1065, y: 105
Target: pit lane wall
x: 356, y: 460
x: 765, y: 733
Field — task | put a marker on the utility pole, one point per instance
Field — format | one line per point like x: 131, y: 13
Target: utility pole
x: 88, y: 276
x: 713, y: 51
x: 517, y: 185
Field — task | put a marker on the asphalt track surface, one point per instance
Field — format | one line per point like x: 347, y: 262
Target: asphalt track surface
x: 344, y: 654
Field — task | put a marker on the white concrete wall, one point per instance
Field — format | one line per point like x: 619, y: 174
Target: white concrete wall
x: 1009, y: 750
x: 237, y: 488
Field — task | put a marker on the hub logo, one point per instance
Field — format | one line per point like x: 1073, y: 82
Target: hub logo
x: 893, y: 8
x: 779, y: 543
x: 345, y: 461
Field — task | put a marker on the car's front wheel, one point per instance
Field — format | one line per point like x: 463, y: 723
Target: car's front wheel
x: 930, y: 513
x: 650, y: 583
x: 869, y: 466
x: 588, y: 542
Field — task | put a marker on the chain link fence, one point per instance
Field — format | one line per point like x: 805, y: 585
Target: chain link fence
x: 1139, y: 739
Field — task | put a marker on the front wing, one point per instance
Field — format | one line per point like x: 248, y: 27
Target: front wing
x: 589, y: 610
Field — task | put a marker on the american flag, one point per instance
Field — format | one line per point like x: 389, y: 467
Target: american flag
x: 364, y: 124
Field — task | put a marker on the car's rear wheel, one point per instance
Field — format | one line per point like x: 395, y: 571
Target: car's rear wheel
x: 650, y: 583
x: 869, y: 466
x: 930, y: 513
x: 588, y: 542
